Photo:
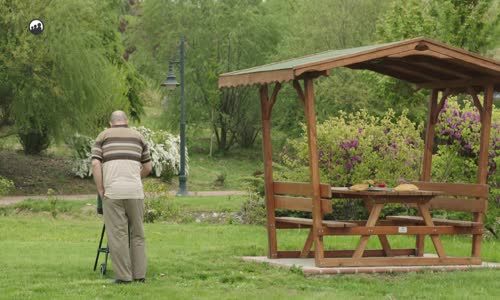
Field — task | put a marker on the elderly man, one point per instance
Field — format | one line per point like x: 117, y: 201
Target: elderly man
x: 120, y: 157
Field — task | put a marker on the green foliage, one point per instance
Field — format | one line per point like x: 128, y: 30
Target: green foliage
x: 159, y: 205
x: 221, y: 36
x: 6, y: 186
x: 52, y: 199
x: 456, y: 160
x: 357, y: 147
x: 469, y: 24
x: 253, y: 209
x: 69, y: 77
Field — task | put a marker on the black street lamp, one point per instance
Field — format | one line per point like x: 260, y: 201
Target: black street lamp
x: 171, y: 83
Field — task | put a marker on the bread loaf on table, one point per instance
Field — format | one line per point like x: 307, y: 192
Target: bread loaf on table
x: 406, y: 187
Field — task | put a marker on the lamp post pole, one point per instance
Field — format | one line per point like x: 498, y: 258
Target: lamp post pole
x: 182, y: 174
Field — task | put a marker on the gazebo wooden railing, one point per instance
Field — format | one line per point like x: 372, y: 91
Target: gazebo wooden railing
x: 429, y: 64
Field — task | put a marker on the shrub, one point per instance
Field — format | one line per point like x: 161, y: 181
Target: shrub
x: 253, y: 209
x: 34, y: 142
x: 164, y: 148
x: 81, y: 146
x: 6, y: 186
x: 458, y: 135
x: 356, y: 147
x: 158, y: 204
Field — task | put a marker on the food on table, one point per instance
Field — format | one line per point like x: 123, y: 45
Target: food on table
x: 406, y: 187
x: 359, y: 187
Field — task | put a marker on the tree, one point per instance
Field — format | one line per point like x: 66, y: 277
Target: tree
x: 469, y: 24
x: 69, y: 77
x: 221, y: 36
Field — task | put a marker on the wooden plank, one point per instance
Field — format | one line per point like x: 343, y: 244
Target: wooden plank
x: 424, y: 212
x: 300, y: 204
x: 268, y: 173
x: 429, y: 137
x: 314, y: 167
x: 455, y: 189
x: 372, y: 220
x: 263, y: 78
x: 419, y: 245
x: 403, y: 229
x: 304, y: 221
x: 438, y: 68
x: 416, y: 220
x: 346, y: 253
x: 385, y: 244
x: 308, y: 244
x: 456, y: 83
x: 458, y: 204
x: 397, y: 261
x: 300, y: 189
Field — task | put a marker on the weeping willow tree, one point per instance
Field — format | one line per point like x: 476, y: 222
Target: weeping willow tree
x: 66, y: 79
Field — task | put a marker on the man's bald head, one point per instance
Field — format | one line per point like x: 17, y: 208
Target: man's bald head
x: 118, y: 117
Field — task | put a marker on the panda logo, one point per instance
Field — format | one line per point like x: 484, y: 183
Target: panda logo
x: 36, y: 27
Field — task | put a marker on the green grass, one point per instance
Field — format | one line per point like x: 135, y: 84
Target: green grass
x: 210, y: 204
x: 46, y: 258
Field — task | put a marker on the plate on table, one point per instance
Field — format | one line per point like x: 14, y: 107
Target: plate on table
x: 379, y: 189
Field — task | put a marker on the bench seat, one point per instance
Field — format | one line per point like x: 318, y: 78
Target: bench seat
x: 309, y: 222
x: 420, y: 220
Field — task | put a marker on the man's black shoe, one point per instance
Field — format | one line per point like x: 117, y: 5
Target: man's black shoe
x: 141, y: 280
x: 119, y: 281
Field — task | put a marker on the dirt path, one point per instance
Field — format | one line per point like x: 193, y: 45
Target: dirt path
x: 15, y: 199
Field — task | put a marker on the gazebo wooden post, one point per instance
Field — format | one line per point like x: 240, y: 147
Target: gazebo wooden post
x: 314, y: 169
x: 266, y: 109
x: 427, y: 160
x: 482, y: 173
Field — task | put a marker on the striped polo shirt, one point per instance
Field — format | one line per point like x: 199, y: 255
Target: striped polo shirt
x: 122, y: 151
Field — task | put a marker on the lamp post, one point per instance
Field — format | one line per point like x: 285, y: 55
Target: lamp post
x: 171, y: 83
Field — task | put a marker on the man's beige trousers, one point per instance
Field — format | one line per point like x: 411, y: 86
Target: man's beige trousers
x: 119, y: 215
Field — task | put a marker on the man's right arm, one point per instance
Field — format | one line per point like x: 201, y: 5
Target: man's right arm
x: 97, y: 174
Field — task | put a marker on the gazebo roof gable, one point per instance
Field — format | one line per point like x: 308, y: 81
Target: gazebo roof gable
x: 420, y: 60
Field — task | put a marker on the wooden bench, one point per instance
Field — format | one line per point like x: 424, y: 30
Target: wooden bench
x: 296, y: 196
x: 470, y: 198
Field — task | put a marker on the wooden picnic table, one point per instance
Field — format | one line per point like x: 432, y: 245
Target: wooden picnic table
x: 375, y: 201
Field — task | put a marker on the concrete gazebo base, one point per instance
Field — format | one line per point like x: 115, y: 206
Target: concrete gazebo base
x: 308, y: 267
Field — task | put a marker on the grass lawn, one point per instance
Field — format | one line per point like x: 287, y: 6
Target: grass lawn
x: 47, y: 258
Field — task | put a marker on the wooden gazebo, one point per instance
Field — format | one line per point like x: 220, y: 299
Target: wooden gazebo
x: 429, y: 64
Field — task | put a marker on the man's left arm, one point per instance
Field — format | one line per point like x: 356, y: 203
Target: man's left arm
x: 97, y: 165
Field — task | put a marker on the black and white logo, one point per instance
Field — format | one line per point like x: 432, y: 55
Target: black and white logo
x: 36, y: 26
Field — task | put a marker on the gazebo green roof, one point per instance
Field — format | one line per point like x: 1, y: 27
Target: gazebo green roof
x: 420, y: 60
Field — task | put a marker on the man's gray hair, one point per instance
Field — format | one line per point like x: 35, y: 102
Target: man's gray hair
x: 118, y: 116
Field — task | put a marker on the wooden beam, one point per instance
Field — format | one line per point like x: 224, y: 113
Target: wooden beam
x: 409, y: 71
x: 476, y: 101
x: 314, y: 167
x: 300, y: 93
x: 485, y: 136
x: 429, y: 137
x: 460, y: 83
x: 437, y: 68
x: 398, y: 261
x: 268, y: 172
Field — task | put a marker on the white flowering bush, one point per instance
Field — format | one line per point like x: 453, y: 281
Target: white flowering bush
x: 165, y: 151
x: 163, y: 146
x: 81, y: 163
